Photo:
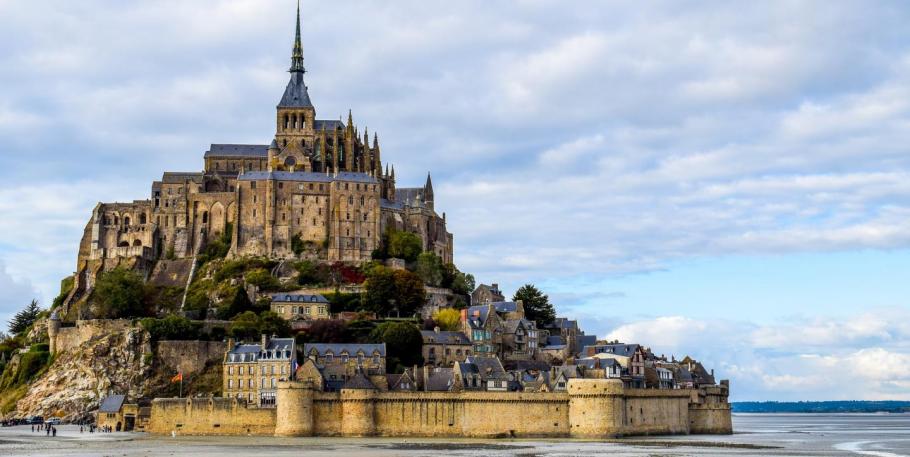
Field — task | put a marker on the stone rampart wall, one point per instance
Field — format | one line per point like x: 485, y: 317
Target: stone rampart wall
x: 591, y: 409
x: 68, y: 338
x: 209, y: 416
x: 190, y: 357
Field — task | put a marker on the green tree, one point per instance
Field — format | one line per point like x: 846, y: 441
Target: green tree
x: 393, y: 292
x: 272, y: 324
x: 240, y: 303
x: 24, y: 319
x: 537, y: 305
x: 404, y: 245
x: 245, y: 326
x: 120, y: 293
x: 447, y: 319
x: 429, y: 268
x: 403, y: 342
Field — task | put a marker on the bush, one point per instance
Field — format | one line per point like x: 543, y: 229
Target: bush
x: 120, y: 293
x: 171, y: 328
x: 238, y: 304
x: 429, y: 268
x: 30, y: 363
x: 297, y: 244
x: 447, y: 319
x: 261, y: 278
x: 40, y: 347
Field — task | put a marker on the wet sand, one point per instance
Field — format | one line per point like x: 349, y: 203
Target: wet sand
x: 757, y: 435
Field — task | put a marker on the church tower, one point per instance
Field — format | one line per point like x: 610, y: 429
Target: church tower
x: 295, y: 132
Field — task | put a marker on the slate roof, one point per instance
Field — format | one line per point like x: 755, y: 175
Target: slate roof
x: 625, y: 350
x: 280, y: 344
x: 328, y: 124
x: 410, y: 195
x: 308, y: 176
x: 244, y: 353
x: 511, y: 325
x: 338, y: 348
x: 295, y: 94
x: 112, y: 403
x: 520, y: 365
x: 488, y: 367
x: 359, y: 381
x: 431, y: 336
x: 238, y: 150
x: 301, y: 298
x: 585, y: 340
x: 178, y: 177
x: 505, y: 306
x: 554, y: 342
x: 440, y: 380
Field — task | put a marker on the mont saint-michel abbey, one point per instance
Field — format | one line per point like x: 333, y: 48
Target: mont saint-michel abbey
x: 319, y: 183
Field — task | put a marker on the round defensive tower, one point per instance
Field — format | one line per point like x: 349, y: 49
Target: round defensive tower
x: 53, y: 328
x: 294, y: 409
x: 595, y: 408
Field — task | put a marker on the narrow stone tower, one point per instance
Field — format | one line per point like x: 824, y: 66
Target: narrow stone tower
x: 53, y: 328
x: 294, y: 409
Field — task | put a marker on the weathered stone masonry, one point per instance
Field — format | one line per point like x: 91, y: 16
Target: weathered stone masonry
x: 592, y: 408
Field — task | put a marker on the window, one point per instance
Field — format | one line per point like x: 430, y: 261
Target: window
x: 253, y: 185
x: 231, y: 370
x: 230, y: 383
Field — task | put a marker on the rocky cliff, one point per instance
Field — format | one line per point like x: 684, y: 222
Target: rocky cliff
x: 79, y: 378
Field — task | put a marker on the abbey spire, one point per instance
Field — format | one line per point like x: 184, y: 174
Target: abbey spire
x: 297, y: 52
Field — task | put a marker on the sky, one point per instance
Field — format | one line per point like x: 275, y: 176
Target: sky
x: 726, y: 180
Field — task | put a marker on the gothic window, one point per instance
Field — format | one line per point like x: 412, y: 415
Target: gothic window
x: 287, y: 121
x: 142, y: 218
x: 126, y: 221
x: 350, y: 200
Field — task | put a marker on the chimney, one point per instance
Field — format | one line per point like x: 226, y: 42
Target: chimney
x: 265, y: 340
x: 436, y: 329
x: 426, y: 377
x: 230, y: 344
x: 495, y: 286
x: 464, y: 314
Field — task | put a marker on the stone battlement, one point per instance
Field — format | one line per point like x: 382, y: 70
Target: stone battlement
x: 592, y: 408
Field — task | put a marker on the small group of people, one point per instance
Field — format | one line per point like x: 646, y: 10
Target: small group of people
x: 48, y: 429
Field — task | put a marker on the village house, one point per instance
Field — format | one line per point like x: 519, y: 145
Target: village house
x: 443, y: 348
x: 519, y: 339
x: 484, y: 294
x: 252, y: 371
x: 340, y: 362
x: 630, y: 356
x: 121, y: 416
x: 292, y: 306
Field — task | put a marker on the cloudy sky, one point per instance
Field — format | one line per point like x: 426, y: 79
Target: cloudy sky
x: 726, y: 180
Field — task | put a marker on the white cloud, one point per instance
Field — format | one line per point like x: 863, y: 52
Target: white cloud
x: 862, y: 356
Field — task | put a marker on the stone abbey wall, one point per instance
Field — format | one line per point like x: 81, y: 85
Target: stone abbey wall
x: 592, y: 408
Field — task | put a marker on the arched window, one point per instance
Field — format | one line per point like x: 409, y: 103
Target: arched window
x: 126, y: 221
x: 142, y: 218
x: 205, y: 217
x: 124, y: 244
x: 287, y: 121
x: 137, y: 243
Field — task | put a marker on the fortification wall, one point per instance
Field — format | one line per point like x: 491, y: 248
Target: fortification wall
x: 590, y: 409
x: 190, y: 357
x: 67, y: 338
x: 209, y: 416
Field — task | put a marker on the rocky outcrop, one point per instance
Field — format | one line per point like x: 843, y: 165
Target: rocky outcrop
x: 80, y: 377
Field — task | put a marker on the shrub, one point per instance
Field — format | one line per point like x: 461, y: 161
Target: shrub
x: 297, y: 244
x: 261, y: 278
x: 171, y: 328
x: 120, y: 293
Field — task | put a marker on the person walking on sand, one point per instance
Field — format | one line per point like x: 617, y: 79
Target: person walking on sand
x: 54, y: 431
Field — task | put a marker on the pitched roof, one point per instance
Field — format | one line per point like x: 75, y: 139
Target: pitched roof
x: 238, y: 150
x: 112, y: 403
x: 488, y: 367
x: 432, y: 336
x: 179, y: 177
x: 359, y: 381
x: 280, y: 344
x: 338, y: 348
x: 555, y: 341
x: 511, y: 325
x: 295, y: 94
x: 303, y: 298
x: 440, y: 380
x: 329, y: 124
x: 624, y: 350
